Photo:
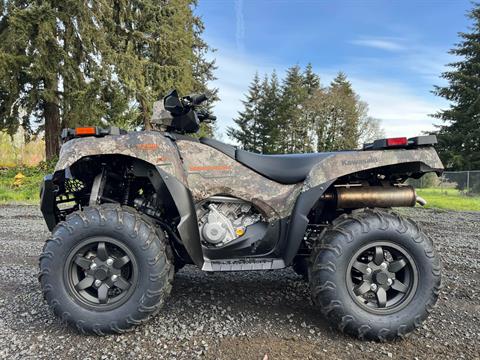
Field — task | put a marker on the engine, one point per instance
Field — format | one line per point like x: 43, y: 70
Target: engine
x: 222, y: 219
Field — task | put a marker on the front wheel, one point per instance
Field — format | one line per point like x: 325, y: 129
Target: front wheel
x: 105, y: 269
x: 374, y: 274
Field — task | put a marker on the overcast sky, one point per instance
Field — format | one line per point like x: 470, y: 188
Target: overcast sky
x: 392, y: 51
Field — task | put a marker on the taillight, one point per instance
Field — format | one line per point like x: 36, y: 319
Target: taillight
x: 399, y: 141
x: 68, y: 134
x: 85, y: 131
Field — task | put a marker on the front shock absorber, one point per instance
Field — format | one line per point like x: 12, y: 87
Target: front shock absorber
x: 128, y: 185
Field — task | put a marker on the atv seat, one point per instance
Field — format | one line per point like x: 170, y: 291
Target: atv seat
x: 285, y: 169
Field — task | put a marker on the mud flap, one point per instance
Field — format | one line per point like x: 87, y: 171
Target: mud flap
x: 47, y: 201
x: 188, y: 226
x: 299, y: 219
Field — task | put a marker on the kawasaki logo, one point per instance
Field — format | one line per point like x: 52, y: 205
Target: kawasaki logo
x: 370, y: 160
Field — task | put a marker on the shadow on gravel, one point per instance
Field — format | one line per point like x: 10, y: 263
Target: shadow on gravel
x: 254, y: 300
x: 266, y: 297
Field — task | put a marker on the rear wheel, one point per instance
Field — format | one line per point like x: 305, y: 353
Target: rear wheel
x: 374, y: 274
x: 106, y: 269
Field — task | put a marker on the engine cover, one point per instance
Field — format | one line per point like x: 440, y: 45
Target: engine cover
x: 223, y: 219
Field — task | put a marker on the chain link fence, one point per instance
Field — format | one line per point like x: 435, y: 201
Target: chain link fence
x: 466, y: 182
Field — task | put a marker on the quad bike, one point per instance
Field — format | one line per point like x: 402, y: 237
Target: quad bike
x: 128, y: 209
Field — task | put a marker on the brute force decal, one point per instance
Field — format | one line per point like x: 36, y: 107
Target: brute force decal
x: 209, y: 168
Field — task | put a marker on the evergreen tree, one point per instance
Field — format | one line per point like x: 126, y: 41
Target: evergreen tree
x: 270, y: 115
x: 294, y: 132
x: 312, y: 87
x: 158, y: 46
x: 345, y: 114
x: 311, y: 80
x: 340, y: 119
x: 459, y: 138
x: 50, y: 65
x: 70, y: 63
x: 247, y: 134
x: 203, y: 73
x: 301, y: 116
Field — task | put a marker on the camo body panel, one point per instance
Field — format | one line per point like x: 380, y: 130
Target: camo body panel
x: 210, y: 172
x: 206, y: 171
x: 348, y: 162
x: 150, y: 146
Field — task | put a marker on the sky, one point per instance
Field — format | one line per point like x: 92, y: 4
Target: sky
x: 392, y: 51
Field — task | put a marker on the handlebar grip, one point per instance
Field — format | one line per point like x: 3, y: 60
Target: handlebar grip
x: 212, y: 117
x: 198, y: 99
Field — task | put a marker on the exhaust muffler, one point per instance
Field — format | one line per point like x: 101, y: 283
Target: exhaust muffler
x: 374, y: 196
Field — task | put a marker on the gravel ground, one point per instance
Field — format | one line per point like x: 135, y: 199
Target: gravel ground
x: 256, y: 315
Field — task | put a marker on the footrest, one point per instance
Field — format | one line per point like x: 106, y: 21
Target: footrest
x: 243, y: 264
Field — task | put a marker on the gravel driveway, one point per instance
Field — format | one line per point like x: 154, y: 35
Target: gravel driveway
x: 237, y: 315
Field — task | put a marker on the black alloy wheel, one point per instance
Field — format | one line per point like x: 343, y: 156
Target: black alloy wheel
x: 101, y: 272
x: 374, y: 274
x: 106, y: 269
x: 382, y: 277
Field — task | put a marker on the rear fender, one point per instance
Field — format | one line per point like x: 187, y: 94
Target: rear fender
x: 348, y: 162
x: 339, y: 164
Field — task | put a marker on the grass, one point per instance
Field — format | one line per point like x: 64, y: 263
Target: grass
x: 449, y: 199
x: 27, y: 192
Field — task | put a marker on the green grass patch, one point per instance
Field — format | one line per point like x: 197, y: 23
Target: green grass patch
x: 449, y: 199
x: 29, y: 188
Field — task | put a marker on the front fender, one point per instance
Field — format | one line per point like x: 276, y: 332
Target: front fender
x: 150, y: 146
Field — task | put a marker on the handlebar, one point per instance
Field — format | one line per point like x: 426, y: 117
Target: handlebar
x: 180, y: 106
x: 196, y: 99
x: 204, y: 115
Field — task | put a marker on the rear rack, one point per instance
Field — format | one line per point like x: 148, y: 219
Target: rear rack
x: 69, y: 133
x: 401, y: 143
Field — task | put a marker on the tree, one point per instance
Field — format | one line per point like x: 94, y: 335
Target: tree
x: 157, y: 46
x: 339, y: 118
x: 311, y: 80
x: 370, y: 129
x: 104, y: 62
x: 345, y: 113
x: 301, y: 116
x: 269, y: 114
x: 50, y: 65
x: 459, y: 137
x: 247, y: 134
x: 294, y: 135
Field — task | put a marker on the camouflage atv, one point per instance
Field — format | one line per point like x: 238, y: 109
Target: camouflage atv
x: 128, y: 209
